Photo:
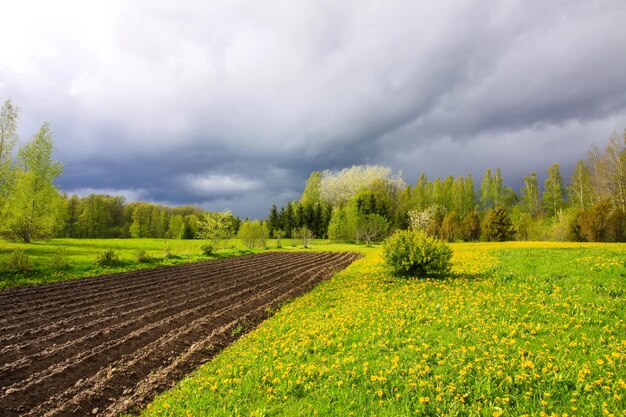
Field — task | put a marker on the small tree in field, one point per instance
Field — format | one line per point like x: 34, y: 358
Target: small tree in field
x: 279, y: 234
x: 253, y: 233
x: 34, y: 206
x: 306, y: 235
x: 371, y: 228
x: 215, y: 226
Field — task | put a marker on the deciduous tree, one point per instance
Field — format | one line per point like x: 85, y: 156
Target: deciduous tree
x: 580, y: 190
x: 553, y: 191
x: 34, y: 206
x: 215, y: 226
x: 531, y: 202
x: 9, y: 114
x: 372, y: 228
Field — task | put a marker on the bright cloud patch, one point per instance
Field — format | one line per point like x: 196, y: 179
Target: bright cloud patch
x: 211, y: 185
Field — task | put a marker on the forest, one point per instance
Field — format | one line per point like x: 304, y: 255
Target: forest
x: 361, y: 203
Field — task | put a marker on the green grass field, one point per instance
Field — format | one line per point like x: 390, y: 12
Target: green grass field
x: 517, y: 329
x: 61, y: 259
x: 78, y: 257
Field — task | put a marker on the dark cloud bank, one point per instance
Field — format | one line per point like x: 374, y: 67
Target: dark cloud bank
x: 233, y: 104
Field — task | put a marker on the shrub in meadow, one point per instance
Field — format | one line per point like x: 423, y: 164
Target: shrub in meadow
x: 409, y: 252
x: 207, y: 249
x: 143, y: 257
x: 108, y: 258
x: 18, y: 261
x: 60, y: 260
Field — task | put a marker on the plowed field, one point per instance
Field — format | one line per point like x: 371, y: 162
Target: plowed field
x: 101, y: 346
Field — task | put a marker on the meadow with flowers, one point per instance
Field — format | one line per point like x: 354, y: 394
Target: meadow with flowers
x: 535, y: 329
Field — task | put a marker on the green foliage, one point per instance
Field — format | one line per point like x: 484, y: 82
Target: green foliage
x: 176, y: 227
x: 414, y: 253
x: 450, y: 227
x: 580, y: 190
x: 376, y: 199
x: 274, y: 222
x: 192, y: 226
x: 207, y: 249
x: 470, y: 227
x: 167, y: 251
x: 609, y: 171
x: 278, y: 235
x: 96, y: 216
x: 33, y: 206
x: 149, y: 220
x: 142, y: 256
x: 311, y: 193
x: 60, y: 261
x: 305, y: 235
x: 216, y: 227
x: 498, y: 226
x: 18, y: 261
x: 601, y: 223
x: 525, y: 225
x: 108, y: 258
x: 9, y: 114
x: 530, y: 201
x: 372, y: 228
x: 343, y: 224
x: 554, y: 190
x: 253, y: 233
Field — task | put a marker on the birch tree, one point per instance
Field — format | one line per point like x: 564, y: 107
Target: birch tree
x: 9, y: 114
x: 609, y: 171
x: 580, y: 190
x: 34, y: 205
x: 531, y: 202
x: 553, y: 191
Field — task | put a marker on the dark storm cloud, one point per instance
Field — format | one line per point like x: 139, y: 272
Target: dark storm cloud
x: 232, y: 104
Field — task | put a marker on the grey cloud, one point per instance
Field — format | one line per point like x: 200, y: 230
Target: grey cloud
x: 233, y: 103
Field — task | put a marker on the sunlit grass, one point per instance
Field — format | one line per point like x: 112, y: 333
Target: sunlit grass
x: 517, y: 329
x: 81, y: 254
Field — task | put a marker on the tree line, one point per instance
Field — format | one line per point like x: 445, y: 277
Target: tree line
x: 362, y: 203
x: 31, y: 207
x: 104, y: 216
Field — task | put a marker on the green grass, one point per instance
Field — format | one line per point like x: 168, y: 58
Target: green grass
x: 80, y: 256
x: 517, y: 329
x: 62, y: 259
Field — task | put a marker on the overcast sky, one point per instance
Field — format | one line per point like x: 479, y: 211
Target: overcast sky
x: 231, y: 104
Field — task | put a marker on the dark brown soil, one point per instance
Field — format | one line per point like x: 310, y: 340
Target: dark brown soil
x: 106, y: 345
